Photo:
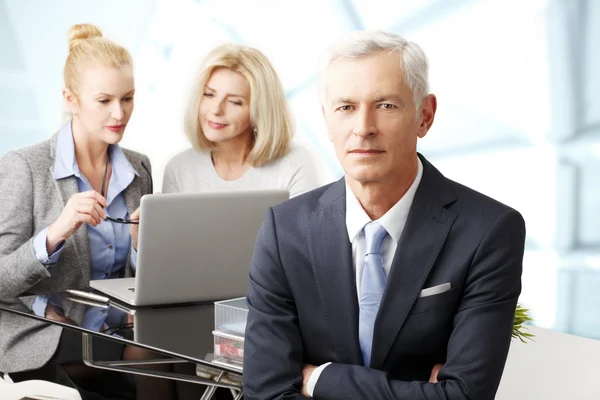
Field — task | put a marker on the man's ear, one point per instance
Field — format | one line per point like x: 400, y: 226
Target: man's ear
x: 71, y: 101
x: 427, y: 114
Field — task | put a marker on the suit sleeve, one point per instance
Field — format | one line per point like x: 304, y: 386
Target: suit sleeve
x: 19, y: 266
x: 273, y: 346
x: 480, y: 339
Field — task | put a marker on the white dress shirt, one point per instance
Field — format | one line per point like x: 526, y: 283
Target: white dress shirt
x: 356, y: 218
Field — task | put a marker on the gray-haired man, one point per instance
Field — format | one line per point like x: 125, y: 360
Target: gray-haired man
x: 363, y: 288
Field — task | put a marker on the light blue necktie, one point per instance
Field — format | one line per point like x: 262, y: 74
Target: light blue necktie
x: 371, y: 288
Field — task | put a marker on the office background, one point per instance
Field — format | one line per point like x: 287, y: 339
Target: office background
x: 517, y: 83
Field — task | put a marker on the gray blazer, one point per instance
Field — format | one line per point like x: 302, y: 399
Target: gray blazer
x: 30, y: 200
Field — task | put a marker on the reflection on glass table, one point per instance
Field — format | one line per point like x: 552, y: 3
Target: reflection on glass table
x: 179, y: 333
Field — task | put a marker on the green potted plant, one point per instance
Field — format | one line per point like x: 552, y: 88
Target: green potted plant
x: 521, y: 317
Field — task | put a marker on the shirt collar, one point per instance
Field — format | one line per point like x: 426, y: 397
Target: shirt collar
x: 64, y: 160
x: 65, y: 163
x: 393, y: 220
x: 122, y: 171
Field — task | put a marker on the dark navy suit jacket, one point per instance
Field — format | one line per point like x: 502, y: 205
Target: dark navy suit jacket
x: 304, y: 309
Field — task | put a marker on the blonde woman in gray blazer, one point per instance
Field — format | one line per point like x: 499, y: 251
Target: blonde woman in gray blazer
x: 69, y: 207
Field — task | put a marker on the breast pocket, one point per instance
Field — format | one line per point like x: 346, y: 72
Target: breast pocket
x: 447, y: 299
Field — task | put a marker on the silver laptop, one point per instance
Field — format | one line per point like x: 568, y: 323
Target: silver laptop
x: 193, y: 247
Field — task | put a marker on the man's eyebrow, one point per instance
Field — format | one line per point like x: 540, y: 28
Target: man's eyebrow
x: 343, y: 100
x: 389, y: 97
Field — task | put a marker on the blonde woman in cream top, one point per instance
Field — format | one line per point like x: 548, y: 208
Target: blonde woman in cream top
x: 193, y: 171
x: 240, y: 128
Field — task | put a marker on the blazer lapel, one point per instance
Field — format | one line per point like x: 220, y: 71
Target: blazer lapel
x: 424, y: 234
x: 66, y: 188
x: 331, y: 256
x: 132, y: 194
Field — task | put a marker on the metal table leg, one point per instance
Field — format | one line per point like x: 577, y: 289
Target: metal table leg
x: 210, y: 391
x: 127, y: 367
x: 237, y: 395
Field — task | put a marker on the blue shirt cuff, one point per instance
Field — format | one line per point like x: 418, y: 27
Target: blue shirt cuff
x: 133, y: 258
x: 39, y: 305
x: 39, y: 248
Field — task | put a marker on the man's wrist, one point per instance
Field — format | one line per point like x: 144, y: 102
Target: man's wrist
x: 314, y: 378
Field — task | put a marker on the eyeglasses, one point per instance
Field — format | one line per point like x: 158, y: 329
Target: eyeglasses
x: 117, y: 220
x: 122, y: 221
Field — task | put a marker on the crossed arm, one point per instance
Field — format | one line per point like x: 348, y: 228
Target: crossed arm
x: 477, y: 349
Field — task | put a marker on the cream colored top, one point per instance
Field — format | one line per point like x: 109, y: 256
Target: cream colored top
x: 193, y: 171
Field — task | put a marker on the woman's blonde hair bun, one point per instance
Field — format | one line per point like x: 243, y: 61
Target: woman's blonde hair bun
x: 81, y: 32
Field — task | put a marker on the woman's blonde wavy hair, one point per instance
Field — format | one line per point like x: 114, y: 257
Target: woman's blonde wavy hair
x: 269, y: 112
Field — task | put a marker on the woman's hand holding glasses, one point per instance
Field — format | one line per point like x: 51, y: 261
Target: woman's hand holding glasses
x: 84, y: 207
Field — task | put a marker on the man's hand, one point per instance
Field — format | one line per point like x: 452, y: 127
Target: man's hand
x: 306, y: 373
x: 434, y: 373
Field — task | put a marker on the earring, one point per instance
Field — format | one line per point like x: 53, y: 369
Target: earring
x: 254, y: 130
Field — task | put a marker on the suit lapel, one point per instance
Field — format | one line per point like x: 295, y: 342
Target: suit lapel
x: 331, y: 255
x: 424, y: 234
